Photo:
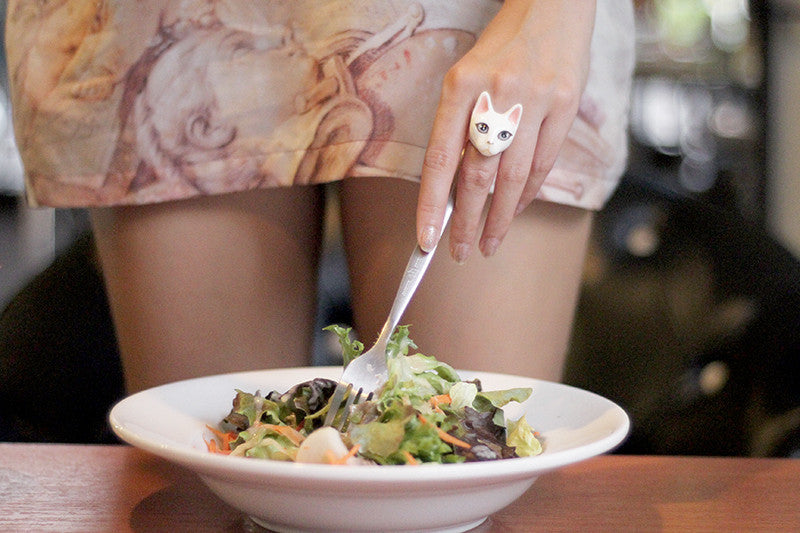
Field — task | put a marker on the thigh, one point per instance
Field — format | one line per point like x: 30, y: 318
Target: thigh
x: 510, y: 313
x: 212, y: 284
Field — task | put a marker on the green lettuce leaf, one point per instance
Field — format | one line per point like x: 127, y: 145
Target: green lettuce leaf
x: 379, y: 440
x: 251, y: 408
x: 350, y: 348
x: 423, y: 442
x: 462, y: 394
x: 486, y: 400
x: 522, y: 438
x: 414, y: 376
x: 264, y: 443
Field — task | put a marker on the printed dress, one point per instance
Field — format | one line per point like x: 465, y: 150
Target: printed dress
x: 131, y: 102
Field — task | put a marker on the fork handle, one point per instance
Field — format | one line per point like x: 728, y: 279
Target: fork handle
x: 415, y: 269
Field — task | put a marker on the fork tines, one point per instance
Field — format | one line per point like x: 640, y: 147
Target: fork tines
x: 342, y: 390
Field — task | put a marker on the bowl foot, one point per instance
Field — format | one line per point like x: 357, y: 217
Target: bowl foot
x: 283, y: 528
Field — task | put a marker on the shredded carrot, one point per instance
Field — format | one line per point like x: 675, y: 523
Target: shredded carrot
x: 343, y: 459
x: 451, y: 439
x: 224, y: 443
x: 410, y: 460
x: 439, y: 399
x: 212, y: 445
x: 448, y: 438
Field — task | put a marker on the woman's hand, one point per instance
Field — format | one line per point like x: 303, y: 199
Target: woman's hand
x: 534, y: 52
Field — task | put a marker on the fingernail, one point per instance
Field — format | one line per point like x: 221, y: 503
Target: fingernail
x: 489, y: 246
x: 428, y: 240
x: 460, y: 252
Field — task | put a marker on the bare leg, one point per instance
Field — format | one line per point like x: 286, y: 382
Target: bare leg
x: 511, y: 313
x: 211, y: 285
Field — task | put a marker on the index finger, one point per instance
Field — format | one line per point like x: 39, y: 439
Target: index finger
x: 442, y: 158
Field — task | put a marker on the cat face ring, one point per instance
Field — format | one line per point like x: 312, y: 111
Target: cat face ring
x: 491, y: 132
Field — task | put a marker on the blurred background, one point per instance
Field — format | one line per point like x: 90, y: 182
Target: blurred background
x: 690, y: 308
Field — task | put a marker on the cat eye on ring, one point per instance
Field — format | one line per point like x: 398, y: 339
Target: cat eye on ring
x: 491, y: 132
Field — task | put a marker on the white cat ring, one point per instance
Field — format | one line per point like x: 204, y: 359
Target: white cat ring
x: 491, y: 132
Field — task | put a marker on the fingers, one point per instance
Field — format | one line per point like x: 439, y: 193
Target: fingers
x: 475, y: 179
x: 438, y: 169
x: 512, y: 177
x: 545, y: 74
x: 505, y: 175
x: 552, y: 133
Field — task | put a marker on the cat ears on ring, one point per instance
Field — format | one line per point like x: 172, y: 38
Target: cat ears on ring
x: 484, y: 104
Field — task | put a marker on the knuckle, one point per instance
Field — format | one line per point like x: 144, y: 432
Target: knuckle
x: 541, y: 168
x: 566, y: 95
x: 543, y: 84
x: 459, y: 234
x: 437, y: 160
x: 478, y: 178
x: 427, y: 209
x: 506, y: 82
x: 514, y: 173
x: 459, y: 78
x: 561, y: 91
x: 463, y: 232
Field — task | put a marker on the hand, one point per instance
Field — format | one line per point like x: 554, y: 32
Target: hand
x: 534, y: 52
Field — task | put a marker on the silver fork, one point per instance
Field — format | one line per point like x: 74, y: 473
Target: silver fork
x: 367, y: 372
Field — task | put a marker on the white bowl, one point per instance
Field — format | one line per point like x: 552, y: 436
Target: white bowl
x: 170, y: 421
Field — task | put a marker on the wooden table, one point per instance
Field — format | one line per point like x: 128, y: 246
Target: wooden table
x: 47, y: 487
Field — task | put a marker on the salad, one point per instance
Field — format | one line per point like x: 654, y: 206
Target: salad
x: 423, y: 414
